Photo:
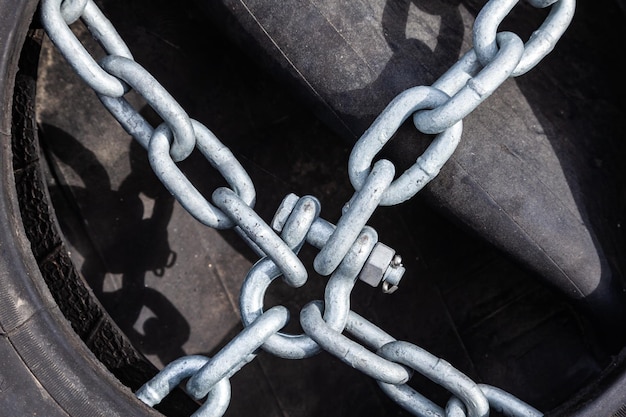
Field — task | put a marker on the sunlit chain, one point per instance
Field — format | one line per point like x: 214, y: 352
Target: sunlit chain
x: 499, y: 400
x: 153, y: 392
x: 440, y: 108
x: 390, y: 362
x: 316, y: 232
x: 391, y: 365
x: 209, y: 377
x: 348, y: 250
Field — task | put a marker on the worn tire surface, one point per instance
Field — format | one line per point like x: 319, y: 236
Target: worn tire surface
x: 52, y: 344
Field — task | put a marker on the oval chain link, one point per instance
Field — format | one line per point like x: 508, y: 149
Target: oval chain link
x: 499, y: 400
x: 155, y: 390
x: 541, y: 42
x: 262, y: 235
x: 71, y: 10
x: 220, y: 158
x: 159, y: 99
x: 382, y: 130
x: 476, y: 90
x: 75, y: 53
x: 438, y: 371
x: 237, y: 353
x: 359, y: 210
x: 349, y: 351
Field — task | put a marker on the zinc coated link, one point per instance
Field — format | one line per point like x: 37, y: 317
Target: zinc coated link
x: 349, y: 351
x: 238, y: 352
x: 75, y: 53
x: 155, y: 390
x: 508, y: 404
x: 499, y: 400
x: 220, y: 158
x: 261, y: 234
x: 159, y: 99
x: 360, y: 209
x: 476, y: 90
x: 382, y: 130
x: 71, y: 10
x: 438, y: 371
x: 541, y: 42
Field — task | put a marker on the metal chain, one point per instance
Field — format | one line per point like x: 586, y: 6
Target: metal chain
x: 348, y: 251
x: 153, y: 392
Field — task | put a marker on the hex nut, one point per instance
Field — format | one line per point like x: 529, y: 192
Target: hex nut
x: 376, y: 264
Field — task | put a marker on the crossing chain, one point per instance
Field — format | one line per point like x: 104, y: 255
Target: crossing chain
x: 349, y: 250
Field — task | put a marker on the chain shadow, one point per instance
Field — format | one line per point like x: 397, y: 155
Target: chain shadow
x: 130, y: 242
x: 579, y: 129
x: 410, y: 56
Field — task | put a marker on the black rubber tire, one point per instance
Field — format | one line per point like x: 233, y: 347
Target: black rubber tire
x: 46, y: 368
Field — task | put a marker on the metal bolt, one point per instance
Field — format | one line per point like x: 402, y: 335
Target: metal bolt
x: 393, y: 275
x: 383, y: 265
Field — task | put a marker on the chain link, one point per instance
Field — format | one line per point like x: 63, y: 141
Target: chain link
x: 153, y: 392
x: 220, y: 158
x: 77, y: 56
x: 158, y: 98
x: 261, y: 234
x: 438, y: 371
x: 382, y: 130
x: 349, y: 351
x: 71, y: 10
x: 355, y: 216
x: 238, y: 352
x: 539, y: 45
x: 476, y: 89
x: 348, y: 251
x: 499, y: 400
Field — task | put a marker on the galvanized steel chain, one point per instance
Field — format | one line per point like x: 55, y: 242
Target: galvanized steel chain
x: 347, y: 251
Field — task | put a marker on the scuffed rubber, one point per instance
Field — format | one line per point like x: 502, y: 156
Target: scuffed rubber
x: 530, y: 174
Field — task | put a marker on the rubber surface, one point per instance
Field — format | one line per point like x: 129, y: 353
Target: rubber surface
x: 534, y: 161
